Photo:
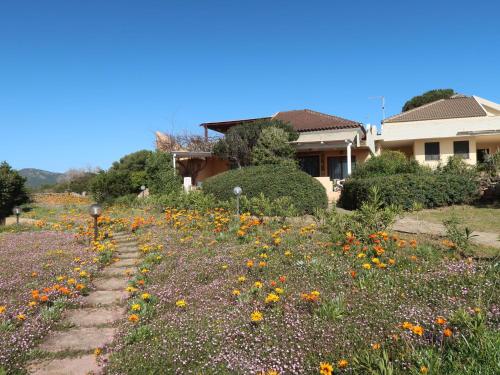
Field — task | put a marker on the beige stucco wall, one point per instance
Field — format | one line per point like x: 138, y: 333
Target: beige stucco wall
x: 445, y: 149
x: 214, y: 166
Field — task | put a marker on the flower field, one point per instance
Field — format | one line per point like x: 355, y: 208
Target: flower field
x: 254, y: 297
x: 41, y: 273
x: 219, y: 294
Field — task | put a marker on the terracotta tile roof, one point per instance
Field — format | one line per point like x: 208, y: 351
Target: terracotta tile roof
x: 308, y: 120
x: 301, y: 120
x: 455, y: 107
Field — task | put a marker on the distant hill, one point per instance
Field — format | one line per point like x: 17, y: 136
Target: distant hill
x: 37, y: 177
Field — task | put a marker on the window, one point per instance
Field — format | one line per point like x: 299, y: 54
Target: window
x: 310, y: 164
x: 432, y: 151
x: 461, y: 149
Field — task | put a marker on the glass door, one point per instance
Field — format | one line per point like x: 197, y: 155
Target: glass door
x: 310, y: 164
x: 337, y: 167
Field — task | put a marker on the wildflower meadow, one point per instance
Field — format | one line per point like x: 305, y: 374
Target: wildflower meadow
x: 217, y: 293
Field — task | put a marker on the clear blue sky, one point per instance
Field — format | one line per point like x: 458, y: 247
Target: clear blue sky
x: 83, y: 82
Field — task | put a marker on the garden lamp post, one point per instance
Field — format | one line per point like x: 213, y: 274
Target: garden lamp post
x: 95, y: 211
x: 17, y: 212
x: 237, y: 191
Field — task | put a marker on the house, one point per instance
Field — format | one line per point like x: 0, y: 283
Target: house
x: 328, y: 146
x: 464, y: 126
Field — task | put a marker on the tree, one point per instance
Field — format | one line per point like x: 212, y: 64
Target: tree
x: 428, y: 97
x: 135, y: 165
x: 273, y: 147
x: 160, y: 173
x: 238, y: 144
x: 12, y: 191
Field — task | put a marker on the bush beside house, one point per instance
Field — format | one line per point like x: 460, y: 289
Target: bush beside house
x: 274, y: 182
x: 453, y: 183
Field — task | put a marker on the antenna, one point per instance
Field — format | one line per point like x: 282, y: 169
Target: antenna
x: 382, y: 98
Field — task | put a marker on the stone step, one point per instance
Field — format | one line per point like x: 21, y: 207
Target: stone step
x: 131, y: 249
x: 74, y: 339
x: 82, y: 365
x: 125, y: 263
x: 94, y: 316
x: 134, y: 255
x: 118, y: 271
x: 105, y: 298
x: 112, y: 283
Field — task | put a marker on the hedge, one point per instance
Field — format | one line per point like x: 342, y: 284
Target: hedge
x: 274, y: 181
x: 429, y: 189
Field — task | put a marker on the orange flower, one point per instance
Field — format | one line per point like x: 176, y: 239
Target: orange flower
x: 134, y: 318
x: 440, y: 320
x: 418, y: 330
x: 352, y: 273
x: 447, y: 332
x: 282, y: 279
x: 342, y: 363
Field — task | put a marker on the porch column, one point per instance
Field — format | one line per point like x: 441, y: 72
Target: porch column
x: 349, y: 166
x: 173, y: 162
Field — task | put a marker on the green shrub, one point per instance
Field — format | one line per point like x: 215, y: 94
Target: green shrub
x: 12, y: 190
x: 453, y: 183
x: 273, y: 181
x: 263, y: 206
x: 194, y: 200
x: 389, y: 163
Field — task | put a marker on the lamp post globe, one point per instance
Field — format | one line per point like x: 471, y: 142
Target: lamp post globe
x: 237, y: 191
x: 95, y: 211
x: 17, y: 211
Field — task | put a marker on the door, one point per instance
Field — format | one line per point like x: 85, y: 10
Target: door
x: 337, y: 167
x: 310, y: 164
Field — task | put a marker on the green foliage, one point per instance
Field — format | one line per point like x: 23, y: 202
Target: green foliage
x: 12, y: 190
x: 194, y: 200
x: 77, y: 184
x: 454, y: 183
x: 273, y: 181
x: 491, y: 164
x: 240, y: 140
x: 161, y: 176
x: 138, y: 334
x: 458, y: 234
x: 388, y: 163
x: 332, y: 309
x: 262, y: 206
x: 373, y: 363
x: 373, y: 216
x: 273, y: 147
x: 127, y: 175
x: 427, y: 97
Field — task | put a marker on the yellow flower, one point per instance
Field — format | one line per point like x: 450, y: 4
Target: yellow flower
x: 71, y: 281
x: 279, y: 290
x: 21, y: 317
x: 97, y: 352
x: 224, y: 266
x: 236, y: 292
x: 181, y: 303
x: 424, y: 370
x: 367, y: 266
x: 263, y: 256
x: 288, y: 253
x: 477, y: 310
x: 136, y: 307
x: 375, y: 346
x: 325, y: 368
x: 146, y: 296
x: 375, y: 260
x: 257, y: 284
x: 407, y: 325
x: 271, y: 297
x: 361, y: 255
x: 134, y: 318
x: 3, y: 309
x: 32, y: 304
x: 392, y: 261
x: 256, y: 316
x: 131, y: 289
x: 315, y: 293
x: 242, y: 279
x: 342, y: 363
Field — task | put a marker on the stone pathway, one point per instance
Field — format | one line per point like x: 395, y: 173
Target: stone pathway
x: 414, y: 226
x: 92, y: 324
